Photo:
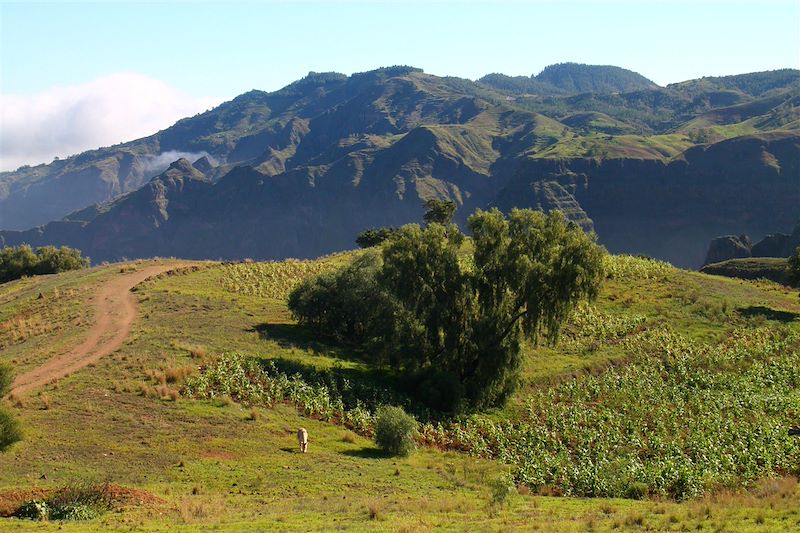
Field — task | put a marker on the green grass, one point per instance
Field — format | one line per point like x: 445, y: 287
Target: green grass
x: 109, y: 421
x: 768, y: 268
x: 604, y: 146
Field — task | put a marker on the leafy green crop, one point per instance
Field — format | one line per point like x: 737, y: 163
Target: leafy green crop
x: 681, y: 419
x: 270, y: 279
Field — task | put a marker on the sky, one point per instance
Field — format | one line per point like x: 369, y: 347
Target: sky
x: 79, y: 75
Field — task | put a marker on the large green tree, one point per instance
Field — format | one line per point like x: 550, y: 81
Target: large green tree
x: 458, y: 319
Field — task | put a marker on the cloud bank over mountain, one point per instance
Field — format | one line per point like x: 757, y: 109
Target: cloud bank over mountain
x: 67, y: 120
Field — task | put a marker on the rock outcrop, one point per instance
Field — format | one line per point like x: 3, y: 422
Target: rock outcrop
x: 728, y: 247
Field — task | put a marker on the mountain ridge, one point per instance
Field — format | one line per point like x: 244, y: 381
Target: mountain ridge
x: 331, y: 151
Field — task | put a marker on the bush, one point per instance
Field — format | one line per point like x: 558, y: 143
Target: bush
x: 82, y: 501
x: 395, y: 430
x: 34, y: 510
x: 19, y: 261
x: 502, y: 488
x: 347, y: 305
x: 9, y: 429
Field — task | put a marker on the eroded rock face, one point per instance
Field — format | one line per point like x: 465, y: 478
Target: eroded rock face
x: 733, y: 247
x: 775, y: 245
x: 729, y: 247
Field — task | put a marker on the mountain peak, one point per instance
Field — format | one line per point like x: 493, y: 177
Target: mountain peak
x: 572, y: 78
x: 182, y: 168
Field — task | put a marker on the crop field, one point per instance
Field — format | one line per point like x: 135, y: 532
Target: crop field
x: 663, y: 407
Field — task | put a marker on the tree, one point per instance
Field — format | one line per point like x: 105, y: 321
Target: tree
x: 453, y: 320
x: 794, y: 268
x: 529, y: 271
x: 349, y: 306
x: 9, y: 429
x: 16, y: 262
x: 374, y: 236
x: 439, y: 211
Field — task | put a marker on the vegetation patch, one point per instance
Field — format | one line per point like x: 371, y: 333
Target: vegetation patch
x: 81, y: 501
x: 395, y: 430
x: 20, y: 261
x: 770, y: 268
x: 270, y: 279
x: 681, y: 419
x: 9, y: 428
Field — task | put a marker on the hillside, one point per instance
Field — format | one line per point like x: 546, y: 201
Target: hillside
x: 771, y: 268
x: 571, y: 78
x: 298, y: 172
x: 192, y: 463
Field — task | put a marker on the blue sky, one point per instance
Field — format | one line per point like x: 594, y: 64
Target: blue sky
x: 206, y: 52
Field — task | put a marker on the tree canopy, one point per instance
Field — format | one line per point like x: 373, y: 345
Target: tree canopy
x: 453, y: 317
x: 439, y: 211
x: 19, y: 261
x: 374, y: 236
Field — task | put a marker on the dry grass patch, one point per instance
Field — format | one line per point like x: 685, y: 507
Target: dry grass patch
x: 375, y: 510
x: 178, y: 374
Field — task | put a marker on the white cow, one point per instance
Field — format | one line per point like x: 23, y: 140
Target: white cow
x: 302, y: 438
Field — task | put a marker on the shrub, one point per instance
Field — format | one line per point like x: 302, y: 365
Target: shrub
x: 19, y: 261
x: 395, y: 430
x: 81, y: 501
x: 9, y: 429
x: 637, y: 490
x: 502, y: 487
x: 34, y: 510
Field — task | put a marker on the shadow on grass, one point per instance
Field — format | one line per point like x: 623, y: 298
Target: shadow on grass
x: 366, y: 453
x: 295, y: 336
x: 754, y: 311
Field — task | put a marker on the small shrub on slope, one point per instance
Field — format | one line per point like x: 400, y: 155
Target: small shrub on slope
x: 9, y: 429
x: 82, y: 501
x: 395, y: 430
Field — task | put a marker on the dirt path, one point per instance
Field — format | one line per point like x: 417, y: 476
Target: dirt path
x: 115, y: 311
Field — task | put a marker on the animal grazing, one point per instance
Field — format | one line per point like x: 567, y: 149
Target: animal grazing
x: 302, y: 438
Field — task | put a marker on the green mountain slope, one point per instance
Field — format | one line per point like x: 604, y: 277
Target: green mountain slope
x: 298, y: 172
x: 571, y: 78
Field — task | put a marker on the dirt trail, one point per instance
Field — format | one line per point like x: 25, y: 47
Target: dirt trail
x: 115, y: 311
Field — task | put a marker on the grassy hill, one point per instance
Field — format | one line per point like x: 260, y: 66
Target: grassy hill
x: 189, y: 463
x: 771, y: 268
x: 571, y: 78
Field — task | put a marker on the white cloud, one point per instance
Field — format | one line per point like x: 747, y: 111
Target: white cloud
x: 67, y: 120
